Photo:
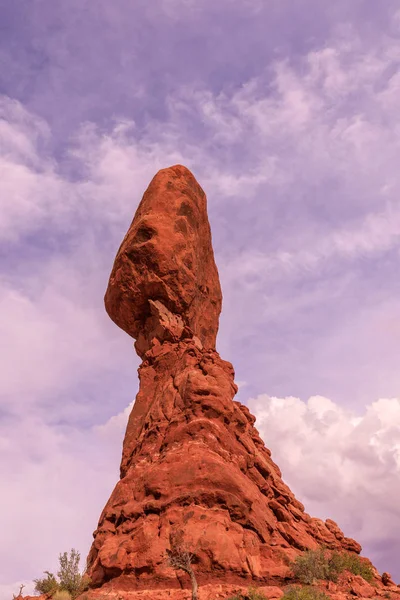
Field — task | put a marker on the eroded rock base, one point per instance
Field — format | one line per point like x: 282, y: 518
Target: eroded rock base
x: 349, y: 587
x: 194, y: 469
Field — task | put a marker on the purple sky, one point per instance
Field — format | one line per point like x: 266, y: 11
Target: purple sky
x: 287, y: 113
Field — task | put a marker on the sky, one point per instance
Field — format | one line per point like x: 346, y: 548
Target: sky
x: 286, y: 111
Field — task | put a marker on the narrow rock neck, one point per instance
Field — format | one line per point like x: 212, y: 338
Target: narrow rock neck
x: 179, y: 382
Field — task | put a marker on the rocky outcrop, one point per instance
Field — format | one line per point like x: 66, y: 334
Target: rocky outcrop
x: 194, y: 470
x: 167, y: 256
x: 349, y: 588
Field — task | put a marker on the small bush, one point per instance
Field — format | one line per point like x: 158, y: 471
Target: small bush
x: 304, y: 593
x: 84, y: 584
x: 47, y: 585
x: 310, y: 566
x: 344, y: 561
x: 354, y: 564
x: 62, y: 595
x: 254, y: 594
x: 251, y: 594
x: 320, y: 564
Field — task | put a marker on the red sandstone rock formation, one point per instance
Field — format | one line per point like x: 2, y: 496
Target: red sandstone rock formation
x: 194, y: 468
x: 167, y: 257
x: 349, y: 586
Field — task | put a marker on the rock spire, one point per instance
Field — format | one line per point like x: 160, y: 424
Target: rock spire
x: 194, y: 469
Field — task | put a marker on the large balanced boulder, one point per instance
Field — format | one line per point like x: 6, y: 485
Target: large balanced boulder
x: 167, y: 256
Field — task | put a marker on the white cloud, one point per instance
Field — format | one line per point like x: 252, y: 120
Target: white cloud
x: 319, y: 137
x: 58, y: 480
x: 115, y: 425
x: 113, y: 170
x: 327, y: 127
x: 56, y: 332
x: 21, y: 132
x: 341, y: 465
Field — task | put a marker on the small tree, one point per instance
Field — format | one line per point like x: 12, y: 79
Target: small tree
x: 21, y: 587
x: 180, y: 558
x: 69, y: 576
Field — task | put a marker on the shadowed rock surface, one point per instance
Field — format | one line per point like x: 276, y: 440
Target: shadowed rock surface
x: 194, y: 468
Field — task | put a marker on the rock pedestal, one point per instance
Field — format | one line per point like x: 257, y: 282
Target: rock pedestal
x: 194, y: 472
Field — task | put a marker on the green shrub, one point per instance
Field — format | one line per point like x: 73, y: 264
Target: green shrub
x: 251, y: 594
x: 84, y: 584
x: 254, y: 594
x: 321, y: 564
x: 344, y: 561
x: 62, y: 595
x: 69, y: 582
x: 47, y: 585
x: 354, y: 564
x: 304, y: 593
x: 311, y: 565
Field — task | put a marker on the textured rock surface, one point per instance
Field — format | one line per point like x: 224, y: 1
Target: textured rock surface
x: 347, y: 588
x: 194, y: 468
x: 167, y: 256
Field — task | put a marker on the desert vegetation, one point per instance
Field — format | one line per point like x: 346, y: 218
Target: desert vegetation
x: 322, y: 564
x: 179, y: 558
x: 251, y: 594
x: 314, y: 565
x: 304, y: 593
x: 291, y: 593
x: 68, y: 583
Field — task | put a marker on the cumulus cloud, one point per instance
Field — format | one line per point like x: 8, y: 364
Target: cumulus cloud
x: 342, y: 465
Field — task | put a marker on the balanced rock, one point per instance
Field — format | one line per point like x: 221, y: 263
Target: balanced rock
x: 167, y: 257
x: 194, y: 469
